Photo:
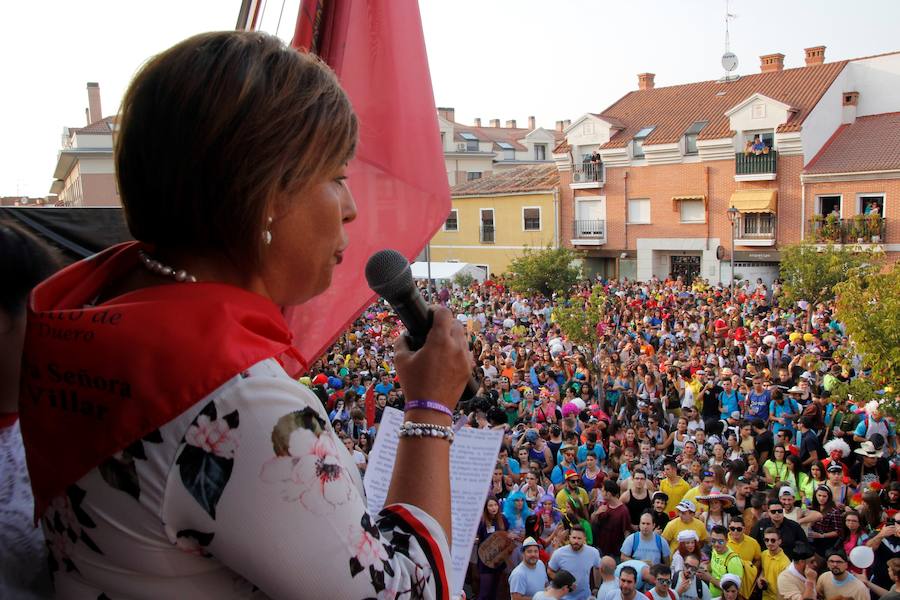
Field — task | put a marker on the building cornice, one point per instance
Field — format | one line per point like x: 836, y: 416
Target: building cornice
x: 852, y: 176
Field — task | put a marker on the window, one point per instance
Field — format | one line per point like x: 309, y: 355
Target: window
x: 540, y: 152
x: 531, y: 219
x: 452, y: 222
x: 487, y: 226
x: 871, y: 204
x: 692, y: 211
x: 637, y: 144
x: 509, y: 152
x: 690, y: 137
x: 473, y: 175
x: 471, y: 141
x: 639, y: 210
x: 829, y: 205
x: 759, y: 142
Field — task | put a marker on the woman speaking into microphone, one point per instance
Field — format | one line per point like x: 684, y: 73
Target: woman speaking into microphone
x: 171, y: 454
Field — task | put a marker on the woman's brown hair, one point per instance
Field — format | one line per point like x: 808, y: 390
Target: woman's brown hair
x: 213, y: 131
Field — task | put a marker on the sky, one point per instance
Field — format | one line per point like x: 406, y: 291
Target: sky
x: 505, y: 59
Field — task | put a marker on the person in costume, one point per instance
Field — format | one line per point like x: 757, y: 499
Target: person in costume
x: 162, y: 427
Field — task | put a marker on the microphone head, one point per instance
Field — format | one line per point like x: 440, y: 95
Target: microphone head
x: 389, y: 274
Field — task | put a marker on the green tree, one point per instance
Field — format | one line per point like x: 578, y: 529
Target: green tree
x: 546, y: 271
x: 578, y: 317
x: 810, y: 272
x: 463, y: 280
x: 868, y: 304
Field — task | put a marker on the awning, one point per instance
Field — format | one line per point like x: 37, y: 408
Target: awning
x: 677, y: 199
x: 755, y: 201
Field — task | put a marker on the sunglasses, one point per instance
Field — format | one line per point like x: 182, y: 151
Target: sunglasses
x: 771, y: 540
x: 777, y: 511
x: 708, y: 474
x: 663, y: 581
x: 735, y: 529
x: 717, y: 542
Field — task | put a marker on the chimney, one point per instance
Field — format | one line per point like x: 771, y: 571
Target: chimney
x: 645, y: 81
x: 511, y: 124
x: 495, y: 122
x: 560, y: 125
x: 95, y: 114
x: 87, y: 115
x: 567, y: 122
x: 531, y: 125
x: 815, y: 55
x: 477, y: 121
x: 769, y: 63
x: 848, y: 111
x: 447, y: 113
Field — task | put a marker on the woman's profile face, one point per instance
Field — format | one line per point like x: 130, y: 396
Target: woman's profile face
x: 308, y: 240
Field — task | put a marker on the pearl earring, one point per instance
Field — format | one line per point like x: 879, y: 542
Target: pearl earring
x: 267, y: 234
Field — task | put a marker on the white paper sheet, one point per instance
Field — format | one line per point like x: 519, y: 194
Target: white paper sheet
x: 473, y: 456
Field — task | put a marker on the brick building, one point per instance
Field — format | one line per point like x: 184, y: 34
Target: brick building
x: 647, y: 184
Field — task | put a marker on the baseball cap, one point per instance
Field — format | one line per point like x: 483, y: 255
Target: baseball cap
x: 785, y: 490
x: 571, y: 473
x: 685, y: 505
x: 736, y: 414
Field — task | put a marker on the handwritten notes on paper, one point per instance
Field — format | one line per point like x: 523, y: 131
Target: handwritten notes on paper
x: 472, y: 459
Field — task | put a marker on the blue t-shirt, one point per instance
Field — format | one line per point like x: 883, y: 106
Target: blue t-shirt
x: 759, y: 404
x: 653, y: 550
x: 582, y: 453
x: 789, y: 406
x: 578, y: 564
x: 730, y: 402
x: 864, y: 425
x: 527, y: 581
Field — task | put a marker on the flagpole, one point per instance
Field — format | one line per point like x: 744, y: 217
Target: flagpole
x: 428, y: 262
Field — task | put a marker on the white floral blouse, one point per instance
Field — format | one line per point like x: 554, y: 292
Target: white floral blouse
x: 248, y: 494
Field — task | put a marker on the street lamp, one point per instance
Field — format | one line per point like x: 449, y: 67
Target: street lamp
x: 733, y: 217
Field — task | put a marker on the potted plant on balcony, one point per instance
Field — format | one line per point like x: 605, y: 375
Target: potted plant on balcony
x: 831, y: 228
x: 818, y: 221
x: 858, y: 229
x: 875, y: 221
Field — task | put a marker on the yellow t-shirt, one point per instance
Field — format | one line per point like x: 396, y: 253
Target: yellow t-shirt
x: 675, y: 492
x: 676, y: 526
x: 692, y: 494
x: 747, y: 549
x: 772, y: 566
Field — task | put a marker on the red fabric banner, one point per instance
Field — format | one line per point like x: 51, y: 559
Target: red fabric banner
x: 398, y: 177
x: 370, y: 405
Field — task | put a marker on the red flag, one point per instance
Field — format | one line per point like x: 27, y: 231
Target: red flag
x: 398, y: 177
x: 370, y: 405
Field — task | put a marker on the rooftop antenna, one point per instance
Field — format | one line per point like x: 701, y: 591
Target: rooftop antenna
x: 729, y: 59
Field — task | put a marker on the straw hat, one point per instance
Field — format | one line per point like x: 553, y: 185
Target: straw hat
x: 727, y: 500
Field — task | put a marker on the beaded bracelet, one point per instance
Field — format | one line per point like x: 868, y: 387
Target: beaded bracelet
x: 428, y: 405
x: 410, y: 429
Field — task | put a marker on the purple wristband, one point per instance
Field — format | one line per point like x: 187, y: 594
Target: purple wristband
x: 428, y: 405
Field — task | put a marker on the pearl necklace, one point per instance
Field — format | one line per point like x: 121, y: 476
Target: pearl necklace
x: 156, y: 267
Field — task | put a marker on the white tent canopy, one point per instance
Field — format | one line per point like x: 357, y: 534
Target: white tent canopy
x: 446, y: 270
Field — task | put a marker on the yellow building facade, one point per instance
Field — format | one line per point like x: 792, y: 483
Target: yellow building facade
x: 493, y: 220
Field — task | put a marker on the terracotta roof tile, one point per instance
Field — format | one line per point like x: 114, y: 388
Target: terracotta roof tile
x: 527, y: 178
x: 673, y: 109
x: 870, y: 144
x: 104, y: 125
x: 562, y: 147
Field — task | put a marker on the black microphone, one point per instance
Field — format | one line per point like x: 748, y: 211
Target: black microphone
x: 389, y: 276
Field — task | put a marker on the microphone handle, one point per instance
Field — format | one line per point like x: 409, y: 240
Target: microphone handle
x: 414, y: 314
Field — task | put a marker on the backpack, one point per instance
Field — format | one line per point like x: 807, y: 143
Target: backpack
x: 697, y: 581
x: 748, y: 581
x: 650, y: 596
x: 656, y: 537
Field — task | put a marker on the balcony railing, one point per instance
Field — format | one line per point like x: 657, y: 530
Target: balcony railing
x: 861, y: 229
x: 756, y: 226
x: 755, y: 164
x: 589, y: 229
x: 487, y: 234
x: 587, y: 172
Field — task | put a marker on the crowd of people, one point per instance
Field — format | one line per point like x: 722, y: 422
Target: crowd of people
x: 697, y: 451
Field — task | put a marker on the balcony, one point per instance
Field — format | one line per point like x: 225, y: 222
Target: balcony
x: 861, y: 229
x: 755, y: 167
x: 587, y: 175
x: 486, y: 234
x: 756, y: 229
x: 590, y: 232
